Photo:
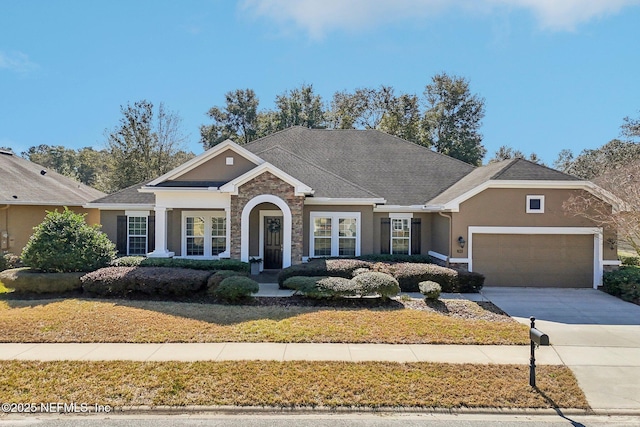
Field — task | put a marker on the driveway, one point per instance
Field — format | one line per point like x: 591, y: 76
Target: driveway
x: 595, y: 334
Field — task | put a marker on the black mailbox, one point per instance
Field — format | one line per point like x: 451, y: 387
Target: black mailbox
x: 538, y: 337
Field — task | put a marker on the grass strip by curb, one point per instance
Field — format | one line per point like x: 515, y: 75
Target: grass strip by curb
x: 76, y: 320
x: 289, y: 384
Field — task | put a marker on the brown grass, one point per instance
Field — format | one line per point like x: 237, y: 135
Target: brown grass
x: 77, y: 320
x: 289, y: 384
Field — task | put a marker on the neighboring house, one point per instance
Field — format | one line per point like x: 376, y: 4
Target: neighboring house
x: 303, y: 193
x: 28, y: 191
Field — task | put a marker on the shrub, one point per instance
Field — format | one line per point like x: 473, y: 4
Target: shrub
x: 216, y: 278
x: 127, y: 261
x: 623, y: 283
x: 308, y: 286
x: 64, y: 242
x: 236, y: 288
x: 26, y: 280
x: 197, y: 264
x: 323, y: 267
x: 421, y: 259
x: 468, y: 282
x: 359, y: 271
x: 409, y: 275
x: 431, y: 290
x: 374, y: 283
x: 630, y: 260
x: 148, y: 280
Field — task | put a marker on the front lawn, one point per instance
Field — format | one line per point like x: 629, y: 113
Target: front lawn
x: 94, y: 320
x: 289, y: 384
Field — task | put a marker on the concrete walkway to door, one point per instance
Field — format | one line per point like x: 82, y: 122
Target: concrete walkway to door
x: 596, y: 335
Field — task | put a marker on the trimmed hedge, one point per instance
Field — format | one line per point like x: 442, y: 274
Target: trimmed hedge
x: 430, y: 290
x: 148, y: 280
x: 408, y: 274
x: 323, y: 267
x: 375, y: 283
x: 469, y: 282
x: 308, y: 286
x: 194, y: 264
x: 623, y: 283
x: 420, y: 259
x: 216, y: 278
x: 236, y: 288
x: 26, y: 280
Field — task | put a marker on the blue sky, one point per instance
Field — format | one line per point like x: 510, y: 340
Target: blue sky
x: 554, y: 74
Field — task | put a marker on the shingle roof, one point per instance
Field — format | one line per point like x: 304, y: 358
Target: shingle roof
x: 23, y: 182
x: 506, y: 170
x: 129, y: 195
x: 402, y: 172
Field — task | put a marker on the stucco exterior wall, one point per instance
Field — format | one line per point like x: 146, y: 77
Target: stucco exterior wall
x: 507, y: 208
x: 18, y: 221
x: 216, y: 169
x: 440, y: 237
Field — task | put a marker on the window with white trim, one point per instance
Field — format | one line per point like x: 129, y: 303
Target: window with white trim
x: 334, y: 234
x: 204, y: 234
x: 535, y: 204
x: 137, y: 235
x: 400, y: 235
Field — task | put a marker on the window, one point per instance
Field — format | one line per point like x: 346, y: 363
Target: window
x: 535, y: 204
x: 400, y: 235
x: 137, y: 235
x: 218, y: 235
x: 205, y: 234
x: 335, y: 234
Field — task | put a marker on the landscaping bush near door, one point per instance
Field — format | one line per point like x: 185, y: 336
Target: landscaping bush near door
x: 194, y: 264
x: 235, y: 288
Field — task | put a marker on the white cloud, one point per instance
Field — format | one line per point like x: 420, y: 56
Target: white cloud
x: 16, y: 61
x: 319, y: 17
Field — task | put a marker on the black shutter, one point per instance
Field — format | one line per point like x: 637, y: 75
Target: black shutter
x: 385, y: 235
x: 416, y: 234
x: 121, y: 235
x: 151, y: 233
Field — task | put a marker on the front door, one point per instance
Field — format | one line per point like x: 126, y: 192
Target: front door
x: 272, y: 242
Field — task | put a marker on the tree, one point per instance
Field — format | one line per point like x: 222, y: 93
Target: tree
x: 300, y: 107
x: 237, y: 120
x: 592, y: 163
x: 402, y: 119
x: 453, y: 118
x: 144, y: 145
x: 362, y: 109
x: 506, y: 153
x: 62, y: 160
x: 613, y: 167
x: 623, y: 182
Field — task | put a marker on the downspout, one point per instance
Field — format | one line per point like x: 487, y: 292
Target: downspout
x: 450, y: 237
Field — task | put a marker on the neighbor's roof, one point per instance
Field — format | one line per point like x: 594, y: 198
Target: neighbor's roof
x: 128, y: 196
x: 506, y: 170
x: 25, y: 183
x: 361, y: 162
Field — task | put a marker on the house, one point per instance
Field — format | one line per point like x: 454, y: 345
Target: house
x: 305, y: 193
x: 28, y: 191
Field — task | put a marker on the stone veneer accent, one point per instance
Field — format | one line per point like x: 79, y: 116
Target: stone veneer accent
x: 267, y: 183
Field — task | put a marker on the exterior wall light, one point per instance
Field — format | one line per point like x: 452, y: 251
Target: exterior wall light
x: 461, y: 242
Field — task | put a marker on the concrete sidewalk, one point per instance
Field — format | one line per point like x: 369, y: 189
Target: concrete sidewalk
x: 190, y: 352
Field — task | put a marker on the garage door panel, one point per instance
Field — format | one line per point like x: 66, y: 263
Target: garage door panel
x: 534, y: 260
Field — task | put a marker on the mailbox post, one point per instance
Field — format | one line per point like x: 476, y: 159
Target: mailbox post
x: 537, y: 339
